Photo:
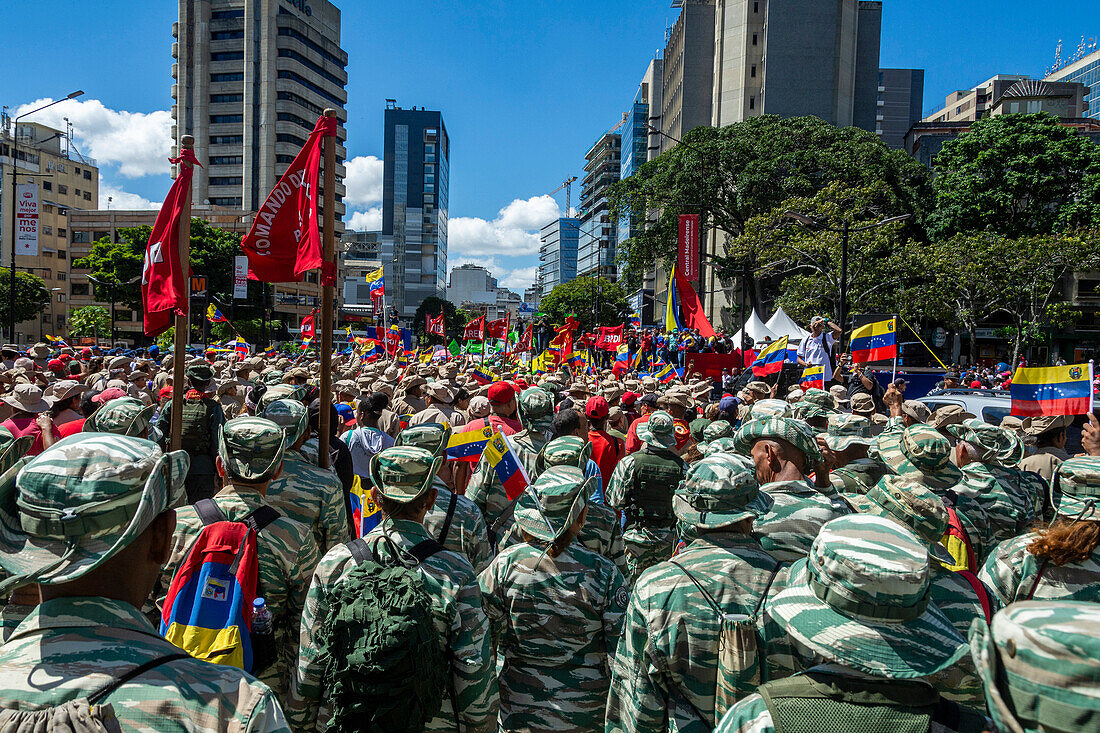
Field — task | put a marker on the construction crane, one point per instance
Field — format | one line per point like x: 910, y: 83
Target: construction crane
x: 568, y: 186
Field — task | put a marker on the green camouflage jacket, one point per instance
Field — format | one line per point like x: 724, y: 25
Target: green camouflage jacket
x: 956, y: 598
x: 287, y: 557
x: 1009, y: 510
x: 556, y: 622
x: 1011, y: 572
x: 312, y: 496
x: 485, y: 488
x: 857, y: 477
x: 1020, y: 481
x: 645, y: 547
x: 601, y: 533
x: 788, y: 530
x: 665, y: 668
x: 68, y: 648
x: 459, y: 617
x: 467, y: 535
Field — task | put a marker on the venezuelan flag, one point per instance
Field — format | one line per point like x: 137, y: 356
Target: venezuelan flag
x: 876, y: 341
x: 214, y: 315
x: 509, y: 470
x: 364, y: 511
x: 483, y: 376
x: 812, y: 376
x: 578, y: 359
x: 636, y: 319
x: 1058, y: 390
x: 672, y: 305
x: 770, y: 360
x: 468, y: 445
x: 666, y: 374
x: 270, y: 351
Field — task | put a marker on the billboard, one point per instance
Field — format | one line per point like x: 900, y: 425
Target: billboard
x: 26, y: 219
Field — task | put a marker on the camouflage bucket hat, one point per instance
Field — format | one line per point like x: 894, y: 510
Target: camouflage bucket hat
x: 810, y: 411
x: 862, y: 599
x: 795, y: 432
x: 769, y: 408
x: 536, y: 408
x: 919, y: 451
x: 719, y: 445
x: 847, y: 430
x: 820, y: 398
x: 658, y: 431
x: 907, y: 501
x: 78, y: 503
x: 123, y: 416
x: 995, y: 444
x: 290, y: 415
x: 273, y: 378
x: 568, y: 450
x: 251, y: 448
x: 431, y: 436
x: 717, y: 429
x: 1077, y: 487
x: 1038, y: 662
x: 404, y: 473
x: 718, y: 491
x: 549, y: 507
x: 280, y: 391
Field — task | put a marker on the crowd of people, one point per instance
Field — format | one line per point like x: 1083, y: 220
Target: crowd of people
x: 567, y: 551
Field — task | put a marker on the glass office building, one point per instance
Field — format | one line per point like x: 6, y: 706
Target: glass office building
x: 1085, y: 70
x: 558, y: 253
x: 634, y: 153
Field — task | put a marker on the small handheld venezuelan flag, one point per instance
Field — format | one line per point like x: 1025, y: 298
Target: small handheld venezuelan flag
x: 770, y: 360
x: 1057, y: 390
x: 468, y: 445
x: 812, y: 377
x: 509, y: 470
x: 876, y: 341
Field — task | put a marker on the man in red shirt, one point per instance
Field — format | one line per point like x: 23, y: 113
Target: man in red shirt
x: 606, y: 448
x: 646, y: 405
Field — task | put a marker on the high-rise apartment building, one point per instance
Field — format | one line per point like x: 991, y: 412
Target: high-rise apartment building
x: 251, y: 79
x: 415, y: 183
x: 900, y: 104
x: 558, y: 253
x: 1085, y: 69
x: 598, y: 235
x: 64, y: 181
x: 688, y: 71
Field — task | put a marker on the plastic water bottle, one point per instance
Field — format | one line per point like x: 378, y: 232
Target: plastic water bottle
x: 262, y: 636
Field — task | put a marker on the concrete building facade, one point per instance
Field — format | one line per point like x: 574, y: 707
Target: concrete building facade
x: 361, y: 254
x: 598, y: 233
x: 558, y: 253
x: 968, y: 105
x: 688, y: 71
x: 900, y: 104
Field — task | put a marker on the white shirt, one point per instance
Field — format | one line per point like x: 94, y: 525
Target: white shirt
x: 813, y: 352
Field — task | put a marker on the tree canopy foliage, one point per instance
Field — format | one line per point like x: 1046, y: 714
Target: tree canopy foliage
x: 31, y: 296
x: 92, y: 320
x: 580, y: 297
x: 432, y: 307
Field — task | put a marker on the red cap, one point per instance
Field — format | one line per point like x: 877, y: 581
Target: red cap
x: 596, y: 408
x: 975, y: 384
x: 683, y: 433
x: 628, y: 399
x: 86, y: 352
x: 501, y: 393
x: 107, y: 395
x: 65, y: 358
x: 164, y: 392
x: 55, y: 365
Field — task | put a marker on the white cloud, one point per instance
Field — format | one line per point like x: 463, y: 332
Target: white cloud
x: 138, y: 143
x: 366, y: 221
x: 513, y: 233
x: 516, y: 279
x: 121, y: 199
x: 521, y: 279
x: 363, y: 181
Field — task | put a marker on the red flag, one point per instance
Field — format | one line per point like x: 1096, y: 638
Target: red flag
x: 475, y: 329
x: 163, y: 280
x: 691, y: 309
x: 497, y: 329
x: 610, y: 339
x: 308, y: 330
x: 436, y: 326
x: 524, y: 343
x: 284, y: 241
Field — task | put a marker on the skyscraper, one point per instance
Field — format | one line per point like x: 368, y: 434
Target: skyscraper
x: 1083, y: 67
x: 687, y: 71
x: 251, y: 79
x: 558, y: 253
x: 900, y: 104
x: 596, y: 246
x: 414, y: 206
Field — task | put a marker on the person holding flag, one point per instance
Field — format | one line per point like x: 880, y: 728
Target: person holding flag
x: 817, y: 348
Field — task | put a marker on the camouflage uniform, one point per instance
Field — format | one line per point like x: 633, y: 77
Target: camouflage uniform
x: 859, y: 475
x: 304, y: 492
x: 251, y: 449
x: 81, y: 645
x: 1008, y: 495
x: 403, y: 474
x: 122, y: 416
x: 1013, y: 574
x: 858, y: 601
x: 556, y: 620
x: 665, y: 670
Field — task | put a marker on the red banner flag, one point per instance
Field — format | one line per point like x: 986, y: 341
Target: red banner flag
x: 475, y: 330
x: 436, y: 325
x: 691, y: 308
x: 308, y: 329
x: 497, y: 329
x: 687, y: 263
x: 285, y: 241
x: 524, y: 343
x: 163, y: 281
x: 610, y: 338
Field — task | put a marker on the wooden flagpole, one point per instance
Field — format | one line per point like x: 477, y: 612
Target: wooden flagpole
x: 187, y: 142
x: 327, y: 297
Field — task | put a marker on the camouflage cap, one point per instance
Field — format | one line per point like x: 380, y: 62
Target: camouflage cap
x: 290, y: 415
x: 948, y: 415
x: 281, y: 391
x: 718, y: 491
x: 920, y: 451
x: 273, y: 378
x: 995, y: 444
x: 251, y: 448
x: 568, y: 450
x: 78, y: 503
x: 862, y: 599
x: 658, y: 431
x: 819, y: 397
x: 846, y: 430
x: 763, y: 389
x: 122, y: 416
x: 719, y: 445
x: 909, y: 502
x: 431, y: 436
x: 1038, y: 662
x: 916, y: 410
x: 717, y: 429
x: 1076, y: 487
x: 795, y: 432
x: 199, y: 373
x: 769, y: 408
x: 536, y: 407
x: 810, y: 411
x: 404, y: 473
x: 549, y: 507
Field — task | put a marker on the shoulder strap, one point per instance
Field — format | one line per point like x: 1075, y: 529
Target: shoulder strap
x: 360, y: 551
x: 446, y: 530
x: 980, y: 591
x: 706, y: 594
x: 260, y: 518
x: 208, y: 512
x: 1035, y: 585
x: 99, y: 695
x: 425, y: 549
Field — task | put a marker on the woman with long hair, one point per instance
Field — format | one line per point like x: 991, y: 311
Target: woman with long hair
x: 556, y: 612
x: 1059, y: 562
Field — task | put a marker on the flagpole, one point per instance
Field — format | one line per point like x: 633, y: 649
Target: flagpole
x: 327, y: 296
x: 187, y: 142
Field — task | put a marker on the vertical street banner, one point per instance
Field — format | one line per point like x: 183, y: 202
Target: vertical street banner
x: 240, y: 277
x: 26, y: 219
x: 687, y: 263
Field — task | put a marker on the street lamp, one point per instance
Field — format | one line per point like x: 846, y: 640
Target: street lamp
x: 845, y: 229
x: 111, y: 294
x: 14, y: 183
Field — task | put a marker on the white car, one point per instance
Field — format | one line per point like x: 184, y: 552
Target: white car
x: 990, y: 405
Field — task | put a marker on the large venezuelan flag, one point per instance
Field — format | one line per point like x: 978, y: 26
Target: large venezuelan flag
x: 876, y: 341
x: 1058, y: 390
x: 770, y: 360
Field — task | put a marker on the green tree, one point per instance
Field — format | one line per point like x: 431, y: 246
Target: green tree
x: 432, y: 307
x: 580, y: 296
x: 91, y: 320
x: 1016, y: 175
x: 749, y: 168
x: 31, y: 296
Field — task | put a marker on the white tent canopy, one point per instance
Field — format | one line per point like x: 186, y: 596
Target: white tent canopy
x: 783, y: 325
x: 757, y: 330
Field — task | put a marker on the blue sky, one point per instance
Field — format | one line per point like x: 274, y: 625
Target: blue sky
x: 525, y: 87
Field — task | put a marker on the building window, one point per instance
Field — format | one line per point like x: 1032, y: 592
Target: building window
x: 226, y: 160
x: 61, y: 255
x: 752, y: 71
x: 226, y: 14
x: 80, y: 288
x: 47, y: 185
x: 226, y: 98
x: 227, y: 56
x: 47, y: 229
x: 61, y: 297
x: 87, y: 195
x: 226, y: 139
x: 226, y: 35
x: 233, y: 76
x: 62, y: 189
x: 290, y: 139
x: 87, y: 175
x: 62, y: 232
x: 756, y: 7
x: 226, y: 119
x: 228, y: 201
x: 226, y: 180
x: 754, y: 39
x: 61, y: 276
x: 752, y: 102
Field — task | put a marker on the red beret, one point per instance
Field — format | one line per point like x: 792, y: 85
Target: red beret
x: 596, y: 408
x: 107, y: 395
x: 628, y: 399
x: 502, y: 393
